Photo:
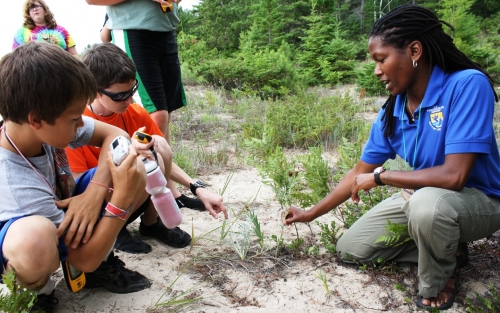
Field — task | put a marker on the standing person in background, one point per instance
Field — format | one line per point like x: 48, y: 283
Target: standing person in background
x: 439, y: 119
x: 40, y: 25
x: 145, y: 30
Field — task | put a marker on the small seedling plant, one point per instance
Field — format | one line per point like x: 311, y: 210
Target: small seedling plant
x: 18, y: 298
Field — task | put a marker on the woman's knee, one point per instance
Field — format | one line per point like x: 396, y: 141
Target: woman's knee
x: 424, y: 205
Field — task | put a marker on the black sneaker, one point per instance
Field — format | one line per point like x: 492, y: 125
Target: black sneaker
x: 45, y: 303
x: 174, y: 237
x: 127, y: 243
x: 190, y: 203
x: 113, y: 276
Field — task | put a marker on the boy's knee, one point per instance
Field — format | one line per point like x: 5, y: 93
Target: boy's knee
x: 31, y: 245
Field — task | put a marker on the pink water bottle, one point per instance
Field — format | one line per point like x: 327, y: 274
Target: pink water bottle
x: 161, y: 196
x: 167, y: 208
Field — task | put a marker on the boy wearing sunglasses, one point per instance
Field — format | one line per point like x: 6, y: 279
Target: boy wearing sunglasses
x: 114, y: 73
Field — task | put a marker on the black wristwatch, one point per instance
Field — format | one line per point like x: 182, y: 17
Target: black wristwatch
x: 195, y: 186
x: 376, y: 173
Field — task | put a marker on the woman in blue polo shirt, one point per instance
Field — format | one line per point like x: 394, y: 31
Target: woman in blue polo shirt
x: 439, y: 119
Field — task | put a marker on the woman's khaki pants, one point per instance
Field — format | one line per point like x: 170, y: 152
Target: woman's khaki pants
x: 437, y: 219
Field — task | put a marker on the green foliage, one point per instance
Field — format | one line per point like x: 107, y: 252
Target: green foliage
x: 279, y: 241
x: 312, y: 251
x: 183, y: 157
x: 304, y: 120
x: 220, y: 23
x: 252, y: 217
x: 368, y: 81
x: 456, y: 12
x: 276, y: 171
x: 317, y: 177
x: 19, y: 299
x: 329, y: 236
x: 234, y: 43
x: 194, y: 51
x: 400, y: 287
x: 396, y: 232
x: 325, y: 54
x: 296, y: 246
x: 240, y: 238
x: 268, y: 73
x: 178, y: 301
x: 490, y: 302
x: 321, y: 275
x: 350, y: 152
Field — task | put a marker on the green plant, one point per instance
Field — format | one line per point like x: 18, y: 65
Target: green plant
x: 490, y: 302
x: 183, y: 157
x: 279, y: 241
x: 304, y: 120
x: 240, y: 238
x: 179, y: 301
x: 396, y: 232
x: 400, y: 287
x: 252, y: 217
x: 217, y: 158
x: 370, y: 83
x: 317, y: 177
x: 312, y: 251
x: 321, y: 275
x: 296, y: 246
x: 329, y: 236
x: 19, y: 299
x: 279, y: 173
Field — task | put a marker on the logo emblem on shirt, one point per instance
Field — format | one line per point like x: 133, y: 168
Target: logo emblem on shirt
x: 436, y: 118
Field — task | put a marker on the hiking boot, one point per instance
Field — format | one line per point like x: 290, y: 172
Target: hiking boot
x: 127, y: 243
x: 113, y: 276
x: 190, y: 203
x: 174, y: 237
x: 45, y: 303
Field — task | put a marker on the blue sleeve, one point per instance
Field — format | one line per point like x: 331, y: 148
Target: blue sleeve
x: 378, y: 149
x: 470, y: 126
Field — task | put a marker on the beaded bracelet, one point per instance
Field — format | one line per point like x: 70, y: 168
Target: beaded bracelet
x: 116, y: 211
x: 98, y: 183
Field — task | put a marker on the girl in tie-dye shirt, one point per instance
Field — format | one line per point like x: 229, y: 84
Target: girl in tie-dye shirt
x: 40, y: 25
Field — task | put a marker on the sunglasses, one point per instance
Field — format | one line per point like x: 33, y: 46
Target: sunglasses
x: 120, y: 96
x: 34, y: 6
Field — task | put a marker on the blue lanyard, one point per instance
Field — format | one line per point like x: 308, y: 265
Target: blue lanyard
x: 403, y: 131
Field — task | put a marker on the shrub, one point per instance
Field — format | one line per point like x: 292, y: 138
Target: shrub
x: 368, y: 81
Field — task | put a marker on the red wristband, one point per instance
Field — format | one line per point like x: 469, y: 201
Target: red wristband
x: 116, y: 211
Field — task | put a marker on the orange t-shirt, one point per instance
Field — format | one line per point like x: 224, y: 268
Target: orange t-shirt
x: 84, y: 158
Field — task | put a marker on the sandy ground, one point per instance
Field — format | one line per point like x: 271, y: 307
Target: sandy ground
x: 211, y: 270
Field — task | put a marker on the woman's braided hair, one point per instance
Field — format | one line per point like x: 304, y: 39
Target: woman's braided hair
x: 407, y: 23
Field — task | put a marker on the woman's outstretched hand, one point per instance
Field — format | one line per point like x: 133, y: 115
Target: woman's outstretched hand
x: 293, y: 215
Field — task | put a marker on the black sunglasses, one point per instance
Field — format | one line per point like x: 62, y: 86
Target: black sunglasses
x: 120, y: 96
x: 34, y: 6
